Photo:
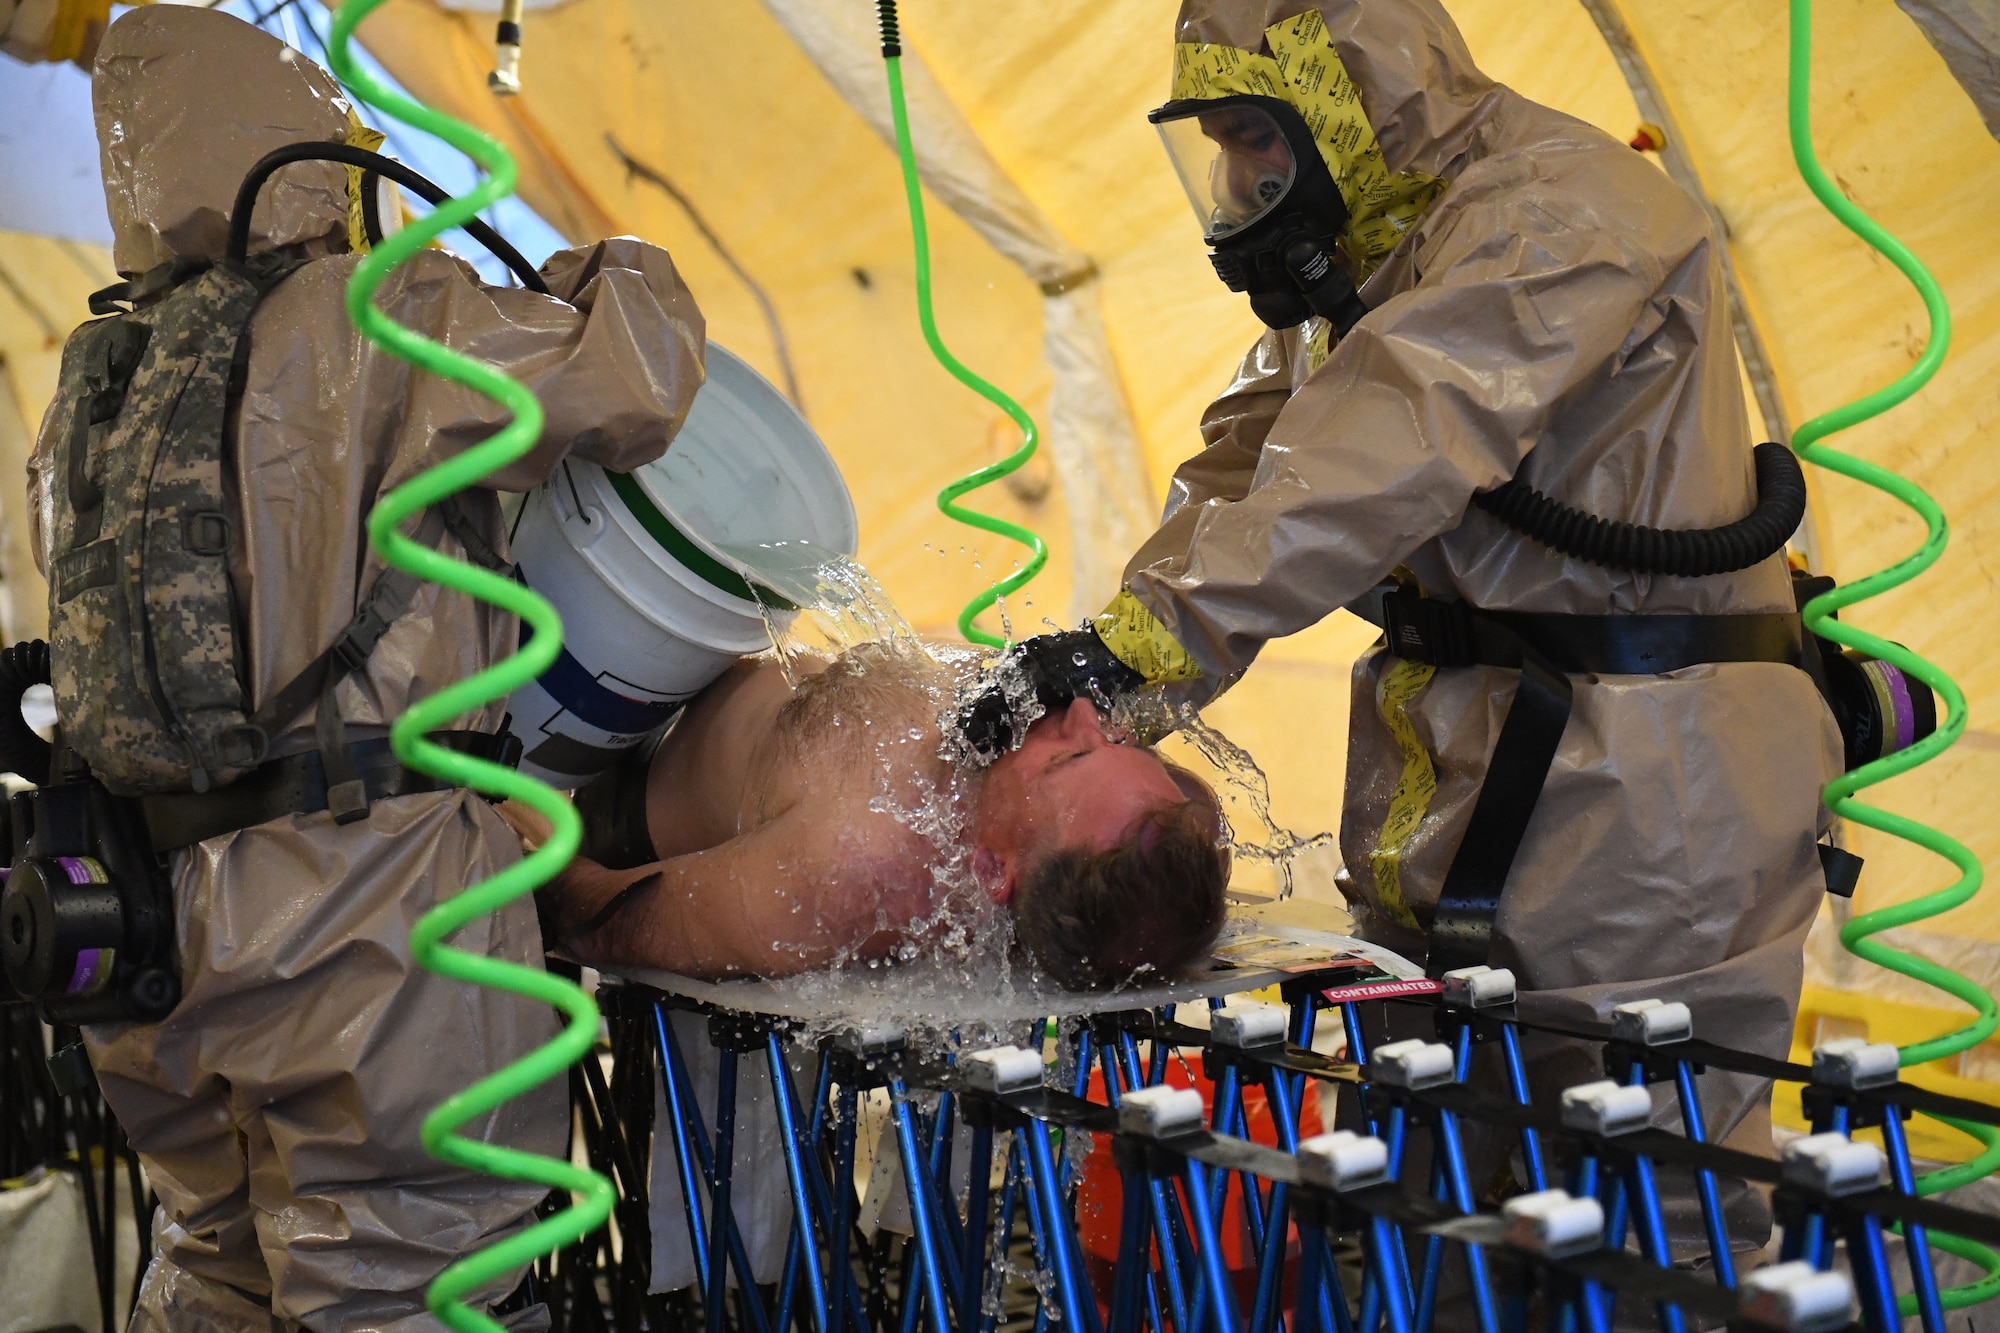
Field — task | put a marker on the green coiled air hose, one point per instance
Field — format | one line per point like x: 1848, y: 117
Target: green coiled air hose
x: 1857, y: 934
x: 408, y: 736
x: 948, y: 498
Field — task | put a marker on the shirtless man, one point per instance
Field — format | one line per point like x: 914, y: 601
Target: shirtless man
x: 780, y: 830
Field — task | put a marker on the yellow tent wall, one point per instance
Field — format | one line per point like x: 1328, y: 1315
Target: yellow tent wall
x: 44, y: 289
x: 807, y: 197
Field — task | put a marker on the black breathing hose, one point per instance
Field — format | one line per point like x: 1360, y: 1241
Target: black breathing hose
x: 1684, y: 552
x: 375, y: 164
x: 892, y: 35
x: 21, y: 750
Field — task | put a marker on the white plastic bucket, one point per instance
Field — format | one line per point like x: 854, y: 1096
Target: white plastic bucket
x: 652, y: 610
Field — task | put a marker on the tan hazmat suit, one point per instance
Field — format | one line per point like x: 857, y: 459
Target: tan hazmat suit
x: 1556, y: 314
x: 277, y: 1108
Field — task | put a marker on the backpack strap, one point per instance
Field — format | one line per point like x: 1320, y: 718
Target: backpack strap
x: 121, y: 297
x: 387, y: 598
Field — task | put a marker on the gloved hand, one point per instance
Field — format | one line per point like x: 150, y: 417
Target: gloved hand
x: 1050, y: 669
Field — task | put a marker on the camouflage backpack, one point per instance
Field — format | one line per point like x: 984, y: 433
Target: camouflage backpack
x: 143, y: 633
x: 145, y: 637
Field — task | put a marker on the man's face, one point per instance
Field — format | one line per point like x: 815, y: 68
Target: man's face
x: 1071, y: 786
x: 1254, y: 164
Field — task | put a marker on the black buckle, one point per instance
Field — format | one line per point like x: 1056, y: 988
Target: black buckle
x: 348, y: 801
x: 358, y: 640
x: 1425, y: 629
x: 113, y: 300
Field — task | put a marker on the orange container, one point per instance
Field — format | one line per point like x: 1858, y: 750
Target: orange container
x: 1099, y: 1193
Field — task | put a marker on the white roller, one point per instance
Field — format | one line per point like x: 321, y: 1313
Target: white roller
x: 1160, y: 1112
x: 1833, y: 1164
x: 1850, y: 1062
x: 1344, y: 1160
x: 1553, y: 1223
x: 1798, y: 1298
x: 870, y: 1041
x: 1480, y: 987
x: 1412, y: 1064
x: 1003, y: 1069
x: 1606, y: 1108
x: 1652, y: 1022
x: 1242, y: 1025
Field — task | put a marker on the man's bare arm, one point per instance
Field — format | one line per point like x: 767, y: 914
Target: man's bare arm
x: 798, y: 893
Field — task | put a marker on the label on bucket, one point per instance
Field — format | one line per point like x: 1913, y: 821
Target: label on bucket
x: 559, y: 746
x: 574, y: 723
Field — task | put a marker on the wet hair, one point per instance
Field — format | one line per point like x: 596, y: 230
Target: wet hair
x: 1148, y: 908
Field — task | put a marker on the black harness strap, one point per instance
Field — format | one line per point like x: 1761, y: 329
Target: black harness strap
x: 1469, y: 899
x: 1547, y: 648
x: 299, y: 784
x: 388, y: 597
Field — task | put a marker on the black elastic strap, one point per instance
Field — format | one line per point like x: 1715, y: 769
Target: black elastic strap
x: 1639, y: 645
x: 470, y: 539
x: 618, y: 903
x: 1469, y: 900
x: 1841, y: 868
x: 346, y: 793
x: 299, y: 785
x: 113, y: 300
x: 120, y: 297
x: 388, y: 597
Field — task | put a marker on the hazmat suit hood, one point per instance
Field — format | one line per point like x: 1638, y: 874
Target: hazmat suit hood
x: 187, y: 101
x: 1419, y: 88
x: 1421, y: 98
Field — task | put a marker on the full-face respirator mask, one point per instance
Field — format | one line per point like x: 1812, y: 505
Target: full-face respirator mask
x: 1269, y: 209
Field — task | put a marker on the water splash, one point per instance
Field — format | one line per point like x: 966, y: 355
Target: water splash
x: 833, y: 628
x: 830, y: 602
x: 1246, y: 789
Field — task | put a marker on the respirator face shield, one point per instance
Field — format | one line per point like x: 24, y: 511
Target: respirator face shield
x: 1233, y: 159
x: 1267, y: 205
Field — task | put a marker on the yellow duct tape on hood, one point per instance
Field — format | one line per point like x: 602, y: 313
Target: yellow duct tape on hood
x: 1305, y: 70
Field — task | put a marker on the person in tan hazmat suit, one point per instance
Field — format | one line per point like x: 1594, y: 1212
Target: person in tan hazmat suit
x: 277, y: 1107
x: 1535, y: 301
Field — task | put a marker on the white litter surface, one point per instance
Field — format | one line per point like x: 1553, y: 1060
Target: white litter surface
x: 1255, y: 952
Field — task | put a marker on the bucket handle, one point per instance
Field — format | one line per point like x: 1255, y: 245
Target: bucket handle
x: 572, y: 513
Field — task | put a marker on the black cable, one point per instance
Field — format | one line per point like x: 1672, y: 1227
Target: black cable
x: 260, y: 19
x: 1684, y: 552
x: 107, y: 1140
x: 892, y: 35
x: 391, y: 139
x: 143, y: 1203
x: 96, y: 1227
x: 21, y: 750
x: 375, y: 164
